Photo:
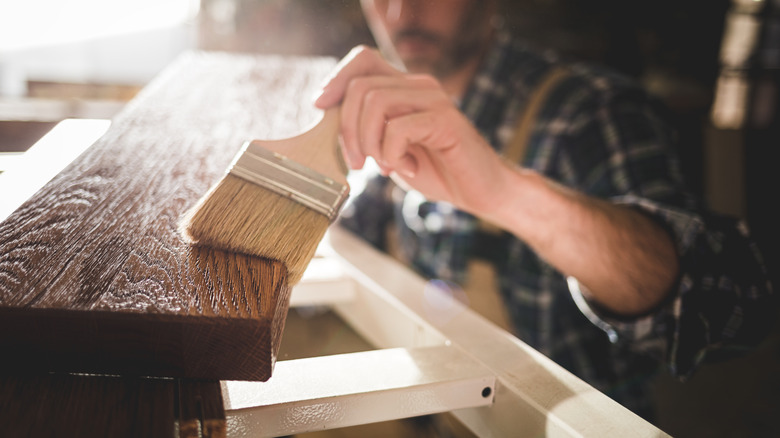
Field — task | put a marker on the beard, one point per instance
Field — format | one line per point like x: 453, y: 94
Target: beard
x: 446, y: 56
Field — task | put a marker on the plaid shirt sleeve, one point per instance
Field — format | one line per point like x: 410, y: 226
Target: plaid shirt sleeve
x: 723, y: 302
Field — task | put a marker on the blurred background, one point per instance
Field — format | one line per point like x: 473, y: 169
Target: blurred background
x: 714, y: 62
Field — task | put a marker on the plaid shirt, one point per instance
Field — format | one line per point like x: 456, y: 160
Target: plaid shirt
x: 599, y: 133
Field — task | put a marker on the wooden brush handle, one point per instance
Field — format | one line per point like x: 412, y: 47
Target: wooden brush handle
x: 317, y: 148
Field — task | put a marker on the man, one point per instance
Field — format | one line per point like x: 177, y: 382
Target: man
x: 605, y: 262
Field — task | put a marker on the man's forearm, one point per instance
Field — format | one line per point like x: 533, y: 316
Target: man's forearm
x: 627, y: 262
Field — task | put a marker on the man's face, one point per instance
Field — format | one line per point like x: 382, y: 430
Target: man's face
x: 429, y: 36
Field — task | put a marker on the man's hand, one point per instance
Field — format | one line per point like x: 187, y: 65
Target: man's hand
x: 413, y: 130
x: 411, y: 127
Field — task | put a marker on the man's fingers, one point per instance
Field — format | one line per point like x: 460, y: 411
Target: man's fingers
x: 372, y: 92
x: 372, y: 100
x: 401, y: 134
x: 360, y: 61
x: 380, y: 105
x: 352, y: 117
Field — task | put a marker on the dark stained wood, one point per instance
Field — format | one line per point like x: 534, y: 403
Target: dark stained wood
x: 60, y: 405
x: 63, y: 406
x: 200, y: 409
x: 94, y: 276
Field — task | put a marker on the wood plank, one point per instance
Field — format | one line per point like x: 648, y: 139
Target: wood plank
x: 200, y: 409
x: 77, y: 405
x: 47, y: 158
x: 94, y: 276
x: 64, y: 405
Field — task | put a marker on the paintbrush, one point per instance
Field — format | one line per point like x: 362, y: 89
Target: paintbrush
x: 277, y: 198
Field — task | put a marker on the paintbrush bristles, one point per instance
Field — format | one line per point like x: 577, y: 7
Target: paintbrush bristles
x: 239, y: 216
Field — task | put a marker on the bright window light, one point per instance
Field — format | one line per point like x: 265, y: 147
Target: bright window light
x: 35, y: 23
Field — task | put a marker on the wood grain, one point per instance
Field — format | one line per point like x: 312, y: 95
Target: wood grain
x: 63, y: 405
x: 94, y: 276
x: 60, y: 405
x: 200, y: 409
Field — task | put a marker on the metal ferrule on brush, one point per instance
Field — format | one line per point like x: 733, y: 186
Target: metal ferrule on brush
x: 287, y: 178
